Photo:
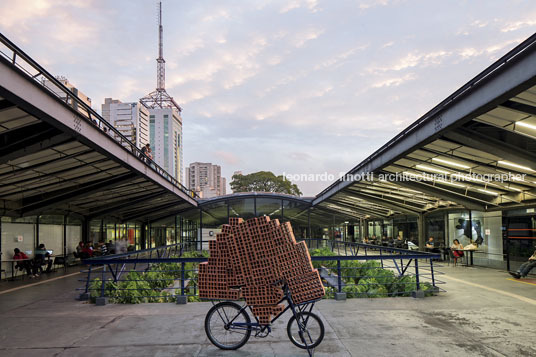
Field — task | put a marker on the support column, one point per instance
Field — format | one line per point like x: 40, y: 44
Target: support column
x: 201, y: 229
x: 37, y: 231
x: 421, y: 231
x: 309, y: 223
x: 65, y: 236
x: 85, y: 230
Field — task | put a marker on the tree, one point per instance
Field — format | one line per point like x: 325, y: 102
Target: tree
x: 263, y: 181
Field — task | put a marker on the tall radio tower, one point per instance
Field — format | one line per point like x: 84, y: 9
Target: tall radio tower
x: 159, y: 98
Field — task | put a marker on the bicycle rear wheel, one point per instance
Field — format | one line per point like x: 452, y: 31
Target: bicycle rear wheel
x: 226, y: 326
x: 307, y: 331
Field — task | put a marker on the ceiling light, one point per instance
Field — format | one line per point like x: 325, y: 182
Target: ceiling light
x: 451, y: 163
x: 525, y: 125
x: 450, y: 183
x: 433, y: 169
x: 488, y: 192
x: 511, y: 164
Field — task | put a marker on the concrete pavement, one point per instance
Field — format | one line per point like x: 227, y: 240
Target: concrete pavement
x: 483, y: 313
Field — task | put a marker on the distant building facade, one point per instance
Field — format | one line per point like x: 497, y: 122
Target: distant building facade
x: 165, y: 136
x: 130, y: 119
x: 61, y: 94
x: 205, y: 178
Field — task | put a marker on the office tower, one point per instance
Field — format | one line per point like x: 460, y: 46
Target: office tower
x: 130, y: 119
x: 205, y: 178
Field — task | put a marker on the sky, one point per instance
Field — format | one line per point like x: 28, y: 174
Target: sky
x: 292, y: 87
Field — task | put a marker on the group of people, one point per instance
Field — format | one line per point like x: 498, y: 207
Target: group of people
x: 397, y: 242
x: 33, y: 266
x: 89, y: 250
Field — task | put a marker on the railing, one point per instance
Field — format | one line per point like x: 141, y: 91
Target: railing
x: 34, y: 71
x: 366, y: 271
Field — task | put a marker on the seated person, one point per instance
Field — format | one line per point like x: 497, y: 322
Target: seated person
x: 525, y: 268
x: 457, y: 248
x: 430, y: 245
x: 87, y: 252
x: 41, y: 255
x: 24, y: 263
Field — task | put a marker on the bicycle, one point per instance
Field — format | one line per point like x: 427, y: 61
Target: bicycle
x: 228, y: 325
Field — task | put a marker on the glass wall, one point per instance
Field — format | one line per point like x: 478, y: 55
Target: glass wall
x: 27, y: 233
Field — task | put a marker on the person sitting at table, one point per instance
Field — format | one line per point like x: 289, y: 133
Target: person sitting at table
x: 87, y: 252
x: 24, y: 263
x: 525, y: 268
x: 41, y: 254
x: 430, y: 245
x: 457, y: 249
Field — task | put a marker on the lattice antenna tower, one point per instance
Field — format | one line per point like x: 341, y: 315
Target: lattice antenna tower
x: 159, y: 98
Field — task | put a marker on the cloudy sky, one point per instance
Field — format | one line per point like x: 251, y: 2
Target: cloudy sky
x: 295, y: 86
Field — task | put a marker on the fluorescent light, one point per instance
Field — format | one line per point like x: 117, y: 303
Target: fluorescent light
x: 468, y: 177
x: 511, y: 164
x: 433, y: 169
x: 525, y: 125
x: 450, y: 183
x: 451, y: 163
x: 488, y: 192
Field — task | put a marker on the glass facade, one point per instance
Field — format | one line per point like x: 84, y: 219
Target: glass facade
x: 166, y: 142
x: 152, y: 133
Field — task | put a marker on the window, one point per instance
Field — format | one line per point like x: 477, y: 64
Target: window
x: 152, y: 134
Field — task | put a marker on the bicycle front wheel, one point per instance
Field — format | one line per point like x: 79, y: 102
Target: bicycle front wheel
x: 226, y: 326
x: 306, y: 331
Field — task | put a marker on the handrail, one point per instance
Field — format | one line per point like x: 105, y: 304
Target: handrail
x: 87, y: 113
x: 523, y: 46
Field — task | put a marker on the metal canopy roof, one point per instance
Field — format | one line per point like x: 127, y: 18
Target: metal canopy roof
x: 453, y: 155
x: 54, y: 159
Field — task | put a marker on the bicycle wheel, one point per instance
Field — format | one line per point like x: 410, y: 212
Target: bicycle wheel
x: 307, y: 331
x: 226, y: 326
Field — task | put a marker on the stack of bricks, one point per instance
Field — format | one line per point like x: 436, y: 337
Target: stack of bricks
x: 248, y: 257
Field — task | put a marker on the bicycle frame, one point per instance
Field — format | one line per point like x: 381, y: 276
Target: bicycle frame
x: 260, y: 328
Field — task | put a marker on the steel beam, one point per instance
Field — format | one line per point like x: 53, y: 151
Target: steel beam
x: 128, y: 202
x: 383, y: 202
x: 466, y: 201
x: 37, y: 204
x: 485, y: 143
x: 361, y: 210
x: 155, y: 209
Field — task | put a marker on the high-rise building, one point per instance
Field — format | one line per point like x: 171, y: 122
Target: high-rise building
x: 165, y: 122
x: 130, y: 119
x: 165, y: 136
x: 205, y: 179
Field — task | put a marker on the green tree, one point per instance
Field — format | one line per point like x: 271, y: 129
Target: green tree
x: 264, y: 181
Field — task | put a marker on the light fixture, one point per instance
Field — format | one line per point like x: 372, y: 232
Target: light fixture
x: 450, y: 183
x: 433, y: 169
x: 488, y: 192
x: 511, y: 164
x: 525, y: 125
x: 451, y: 163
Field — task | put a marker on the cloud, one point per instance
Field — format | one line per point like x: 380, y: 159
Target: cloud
x: 301, y: 38
x: 227, y: 157
x: 395, y: 81
x: 311, y: 5
x: 411, y: 60
x: 514, y: 26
